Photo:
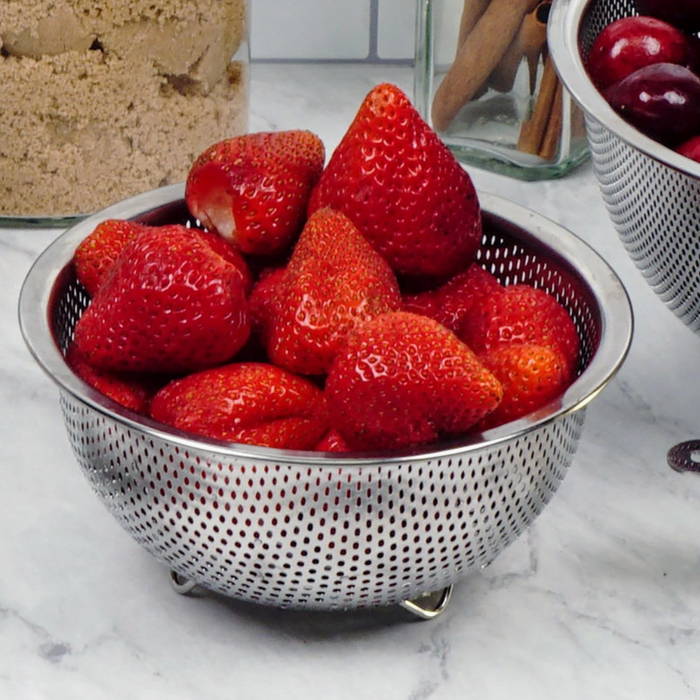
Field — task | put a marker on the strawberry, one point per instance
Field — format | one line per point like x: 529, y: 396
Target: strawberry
x: 449, y: 302
x: 223, y: 248
x: 169, y: 304
x: 403, y: 380
x: 401, y: 186
x: 531, y: 377
x: 262, y: 303
x: 132, y: 391
x: 264, y: 298
x: 521, y: 314
x: 96, y: 252
x: 332, y: 442
x: 333, y: 282
x: 254, y: 189
x: 252, y: 403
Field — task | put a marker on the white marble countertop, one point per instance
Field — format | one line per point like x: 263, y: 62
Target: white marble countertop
x: 600, y: 599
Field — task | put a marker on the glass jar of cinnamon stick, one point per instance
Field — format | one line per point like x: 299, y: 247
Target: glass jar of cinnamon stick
x: 485, y: 82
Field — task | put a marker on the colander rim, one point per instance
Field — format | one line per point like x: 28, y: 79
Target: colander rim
x: 611, y: 297
x: 563, y: 40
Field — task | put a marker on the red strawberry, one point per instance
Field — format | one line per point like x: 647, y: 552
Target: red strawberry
x: 264, y: 298
x: 403, y: 380
x: 449, y: 302
x: 169, y: 304
x: 262, y: 303
x: 401, y: 186
x: 531, y: 376
x: 332, y: 442
x: 95, y: 254
x: 521, y: 314
x: 252, y: 403
x: 224, y: 248
x: 334, y: 281
x: 254, y: 189
x: 132, y: 391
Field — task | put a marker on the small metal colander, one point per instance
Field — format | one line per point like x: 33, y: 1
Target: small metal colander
x: 651, y: 193
x: 323, y: 531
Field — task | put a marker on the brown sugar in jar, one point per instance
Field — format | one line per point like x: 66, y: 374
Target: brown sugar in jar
x: 103, y: 99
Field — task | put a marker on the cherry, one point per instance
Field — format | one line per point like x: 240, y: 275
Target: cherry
x: 631, y: 43
x: 661, y: 100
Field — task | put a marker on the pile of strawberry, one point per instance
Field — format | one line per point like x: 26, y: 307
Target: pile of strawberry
x: 333, y: 307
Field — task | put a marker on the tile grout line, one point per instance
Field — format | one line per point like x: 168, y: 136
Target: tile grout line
x: 373, y: 30
x: 372, y: 54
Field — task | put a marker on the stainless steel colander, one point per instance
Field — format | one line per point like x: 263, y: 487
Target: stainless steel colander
x: 651, y: 193
x: 323, y: 531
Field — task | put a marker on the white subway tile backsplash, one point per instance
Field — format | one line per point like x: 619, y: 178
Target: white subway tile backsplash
x: 396, y: 29
x: 374, y: 30
x: 310, y: 29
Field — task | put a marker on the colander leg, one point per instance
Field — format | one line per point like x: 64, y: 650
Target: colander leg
x: 685, y: 457
x: 183, y: 585
x: 430, y: 605
x: 425, y: 607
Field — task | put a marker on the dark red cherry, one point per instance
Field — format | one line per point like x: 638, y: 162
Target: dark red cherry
x: 631, y: 43
x: 661, y: 100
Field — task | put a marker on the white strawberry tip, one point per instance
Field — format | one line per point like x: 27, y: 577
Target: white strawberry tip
x: 218, y: 217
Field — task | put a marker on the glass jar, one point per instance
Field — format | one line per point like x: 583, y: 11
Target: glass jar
x: 485, y: 82
x: 103, y: 99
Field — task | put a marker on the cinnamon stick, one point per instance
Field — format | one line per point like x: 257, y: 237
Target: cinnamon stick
x: 471, y: 13
x: 578, y: 121
x: 529, y: 43
x: 552, y: 134
x: 532, y: 130
x: 477, y: 57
